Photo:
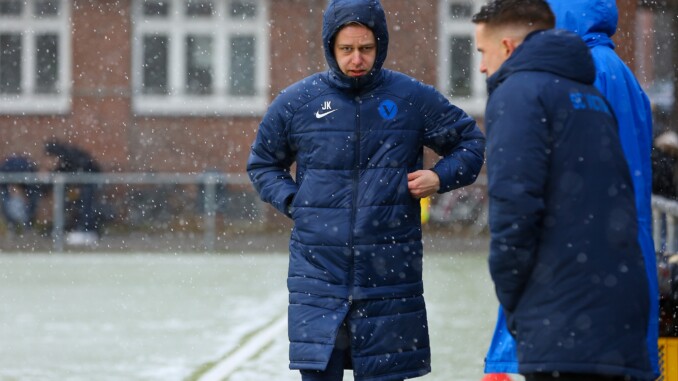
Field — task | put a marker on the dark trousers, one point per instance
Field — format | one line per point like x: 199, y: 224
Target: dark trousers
x: 341, y: 356
x: 555, y: 376
x: 84, y: 208
x: 339, y: 360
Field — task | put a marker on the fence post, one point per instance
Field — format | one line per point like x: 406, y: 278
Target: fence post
x: 58, y: 218
x: 210, y: 211
x: 657, y: 224
x: 670, y: 233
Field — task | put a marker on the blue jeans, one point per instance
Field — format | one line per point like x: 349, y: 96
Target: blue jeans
x: 32, y: 196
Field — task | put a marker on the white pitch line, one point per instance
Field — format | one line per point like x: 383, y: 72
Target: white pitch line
x: 228, y: 365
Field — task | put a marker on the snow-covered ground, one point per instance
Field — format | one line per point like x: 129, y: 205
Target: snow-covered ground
x: 176, y: 317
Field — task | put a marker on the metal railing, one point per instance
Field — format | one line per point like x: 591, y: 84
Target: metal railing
x: 664, y: 211
x: 664, y: 224
x: 59, y: 182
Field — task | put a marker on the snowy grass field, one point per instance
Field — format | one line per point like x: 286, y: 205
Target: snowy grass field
x: 199, y: 317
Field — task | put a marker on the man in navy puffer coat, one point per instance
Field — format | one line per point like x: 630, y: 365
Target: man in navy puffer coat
x: 595, y: 21
x: 564, y: 256
x: 356, y: 134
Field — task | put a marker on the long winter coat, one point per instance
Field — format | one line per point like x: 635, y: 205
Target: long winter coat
x: 634, y: 114
x: 357, y: 229
x: 595, y: 21
x: 564, y: 255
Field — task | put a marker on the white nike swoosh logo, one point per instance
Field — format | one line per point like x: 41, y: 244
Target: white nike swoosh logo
x: 319, y: 115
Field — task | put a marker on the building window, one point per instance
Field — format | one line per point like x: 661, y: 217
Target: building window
x: 459, y: 61
x: 200, y: 57
x: 35, y: 76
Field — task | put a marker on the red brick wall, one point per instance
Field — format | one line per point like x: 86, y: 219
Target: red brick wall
x: 100, y: 102
x: 412, y: 33
x: 101, y: 118
x: 297, y: 50
x: 195, y: 144
x: 625, y: 39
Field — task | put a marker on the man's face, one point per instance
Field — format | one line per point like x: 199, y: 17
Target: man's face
x: 355, y: 50
x: 493, y: 52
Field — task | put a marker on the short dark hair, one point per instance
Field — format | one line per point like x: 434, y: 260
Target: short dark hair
x: 535, y: 14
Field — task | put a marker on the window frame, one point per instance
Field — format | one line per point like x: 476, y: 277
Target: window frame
x: 177, y: 26
x: 29, y: 26
x: 475, y: 103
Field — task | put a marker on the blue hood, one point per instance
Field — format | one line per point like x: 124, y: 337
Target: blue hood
x: 594, y: 20
x: 367, y: 12
x: 554, y: 51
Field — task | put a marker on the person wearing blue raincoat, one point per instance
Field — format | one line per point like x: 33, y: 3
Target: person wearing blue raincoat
x: 595, y: 21
x: 565, y: 260
x: 356, y: 133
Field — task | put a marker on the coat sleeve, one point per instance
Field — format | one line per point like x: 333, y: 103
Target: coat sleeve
x: 453, y: 135
x: 517, y: 171
x: 271, y: 157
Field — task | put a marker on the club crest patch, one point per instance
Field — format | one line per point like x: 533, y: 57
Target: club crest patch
x: 388, y: 109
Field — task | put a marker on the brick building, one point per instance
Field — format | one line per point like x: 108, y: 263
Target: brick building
x: 181, y: 85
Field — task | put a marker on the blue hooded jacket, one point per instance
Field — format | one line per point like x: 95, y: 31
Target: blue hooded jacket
x: 596, y: 22
x: 357, y: 230
x: 564, y: 256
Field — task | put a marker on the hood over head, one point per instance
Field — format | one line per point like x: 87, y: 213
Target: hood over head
x: 17, y: 163
x: 71, y: 158
x: 56, y: 148
x: 367, y: 12
x: 590, y: 19
x: 555, y: 51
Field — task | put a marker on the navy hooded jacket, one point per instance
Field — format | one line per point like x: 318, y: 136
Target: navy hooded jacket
x: 357, y: 229
x: 596, y: 22
x: 564, y: 255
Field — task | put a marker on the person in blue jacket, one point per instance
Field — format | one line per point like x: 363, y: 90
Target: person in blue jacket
x: 564, y: 256
x: 19, y: 201
x: 357, y: 133
x: 596, y: 22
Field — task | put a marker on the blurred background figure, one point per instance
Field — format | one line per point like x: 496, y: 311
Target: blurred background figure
x: 19, y: 200
x: 80, y: 198
x: 664, y: 158
x: 664, y: 166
